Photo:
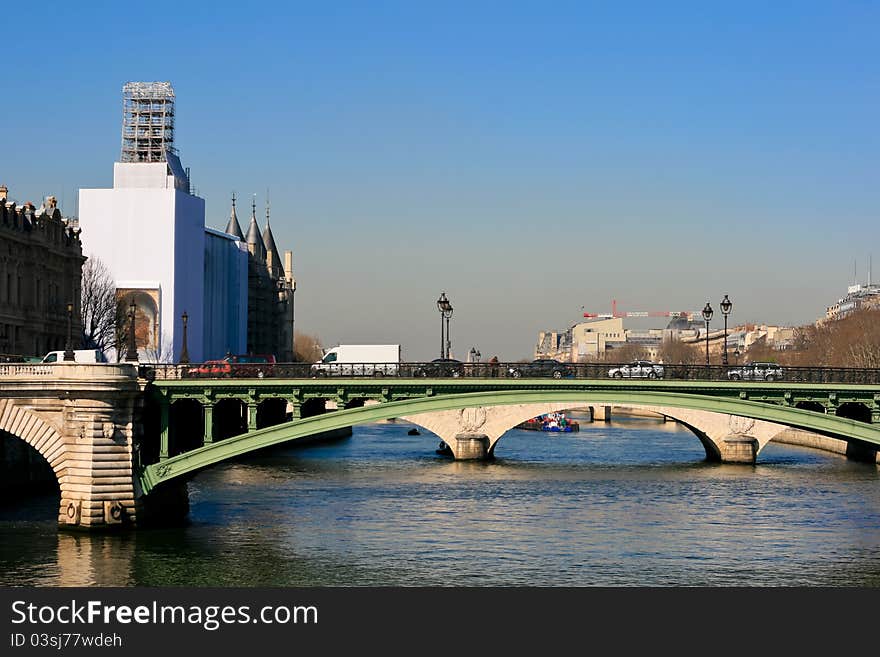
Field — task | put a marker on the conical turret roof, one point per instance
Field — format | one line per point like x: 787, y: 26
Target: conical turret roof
x: 233, y: 228
x: 253, y: 235
x: 276, y: 269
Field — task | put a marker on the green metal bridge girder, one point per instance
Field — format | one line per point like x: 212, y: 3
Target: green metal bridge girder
x: 771, y: 402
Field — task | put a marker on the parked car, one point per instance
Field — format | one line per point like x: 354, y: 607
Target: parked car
x: 441, y: 367
x: 251, y: 365
x: 541, y: 367
x: 244, y: 365
x: 638, y: 369
x: 211, y: 369
x: 756, y: 372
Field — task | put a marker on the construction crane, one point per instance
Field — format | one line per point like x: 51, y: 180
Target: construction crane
x: 688, y: 314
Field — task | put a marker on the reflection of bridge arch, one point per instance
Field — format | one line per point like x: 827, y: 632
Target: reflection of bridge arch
x: 829, y: 425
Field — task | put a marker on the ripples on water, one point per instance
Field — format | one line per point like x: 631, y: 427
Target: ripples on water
x: 628, y: 503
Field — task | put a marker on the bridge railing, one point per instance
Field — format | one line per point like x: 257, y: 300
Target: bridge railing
x: 483, y: 370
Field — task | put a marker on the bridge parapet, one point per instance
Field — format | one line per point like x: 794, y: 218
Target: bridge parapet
x: 68, y: 371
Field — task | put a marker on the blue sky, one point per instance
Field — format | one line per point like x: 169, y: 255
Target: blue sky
x: 530, y: 159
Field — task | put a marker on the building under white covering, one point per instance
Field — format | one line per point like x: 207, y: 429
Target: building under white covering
x: 149, y: 230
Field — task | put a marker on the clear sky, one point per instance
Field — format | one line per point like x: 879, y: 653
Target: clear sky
x: 532, y: 159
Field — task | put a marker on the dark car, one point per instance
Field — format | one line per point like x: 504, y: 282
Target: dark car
x: 440, y: 368
x: 541, y: 367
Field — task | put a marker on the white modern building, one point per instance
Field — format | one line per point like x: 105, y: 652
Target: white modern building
x: 149, y: 230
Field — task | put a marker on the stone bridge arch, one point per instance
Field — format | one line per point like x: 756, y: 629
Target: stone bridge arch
x: 20, y: 422
x: 473, y: 433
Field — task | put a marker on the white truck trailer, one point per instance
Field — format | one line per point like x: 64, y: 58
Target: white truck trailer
x: 359, y: 360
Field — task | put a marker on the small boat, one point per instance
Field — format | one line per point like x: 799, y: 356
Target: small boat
x: 444, y: 449
x: 552, y: 422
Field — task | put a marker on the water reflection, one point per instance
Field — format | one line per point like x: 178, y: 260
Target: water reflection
x: 630, y: 502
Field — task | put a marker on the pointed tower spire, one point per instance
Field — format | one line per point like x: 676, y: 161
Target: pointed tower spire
x: 233, y: 228
x: 273, y: 258
x: 254, y: 241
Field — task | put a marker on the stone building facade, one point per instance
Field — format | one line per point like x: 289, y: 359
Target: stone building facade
x: 271, y: 287
x: 40, y: 273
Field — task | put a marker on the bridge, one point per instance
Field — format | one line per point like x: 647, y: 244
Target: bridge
x: 123, y: 446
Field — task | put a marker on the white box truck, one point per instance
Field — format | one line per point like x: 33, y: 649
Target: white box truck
x: 359, y: 360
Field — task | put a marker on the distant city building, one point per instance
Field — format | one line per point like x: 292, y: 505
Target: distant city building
x: 858, y: 296
x: 149, y: 229
x: 582, y: 341
x: 598, y: 339
x: 40, y: 273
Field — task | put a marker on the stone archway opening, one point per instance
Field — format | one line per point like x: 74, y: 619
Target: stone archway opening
x: 313, y: 407
x: 186, y: 426
x: 230, y: 418
x: 271, y: 411
x: 25, y: 473
x: 810, y: 406
x: 854, y: 411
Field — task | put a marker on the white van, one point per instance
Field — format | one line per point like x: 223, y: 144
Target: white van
x: 79, y: 356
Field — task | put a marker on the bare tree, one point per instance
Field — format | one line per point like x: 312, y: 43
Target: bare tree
x: 98, y: 303
x: 627, y: 352
x: 308, y: 348
x: 676, y: 352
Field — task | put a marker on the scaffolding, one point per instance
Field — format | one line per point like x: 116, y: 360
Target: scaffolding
x: 147, y: 121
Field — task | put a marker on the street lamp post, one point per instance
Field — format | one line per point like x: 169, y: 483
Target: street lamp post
x: 726, y: 307
x: 69, y: 356
x: 131, y: 354
x: 445, y: 309
x: 184, y: 352
x: 707, y: 315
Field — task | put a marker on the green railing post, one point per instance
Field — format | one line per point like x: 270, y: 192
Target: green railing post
x: 252, y: 416
x: 208, y: 407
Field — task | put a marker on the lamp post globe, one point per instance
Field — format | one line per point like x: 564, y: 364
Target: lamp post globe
x: 726, y: 307
x: 707, y: 316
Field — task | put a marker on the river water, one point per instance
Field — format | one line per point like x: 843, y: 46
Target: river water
x: 625, y: 503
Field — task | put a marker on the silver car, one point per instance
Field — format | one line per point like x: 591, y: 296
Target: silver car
x: 638, y: 369
x: 756, y: 372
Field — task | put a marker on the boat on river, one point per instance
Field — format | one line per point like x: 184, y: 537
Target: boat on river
x: 552, y: 422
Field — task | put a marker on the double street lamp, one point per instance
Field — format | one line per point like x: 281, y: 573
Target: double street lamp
x: 707, y: 315
x: 445, y: 309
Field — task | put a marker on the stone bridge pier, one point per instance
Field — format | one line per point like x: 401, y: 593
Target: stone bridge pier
x: 472, y: 433
x: 81, y: 419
